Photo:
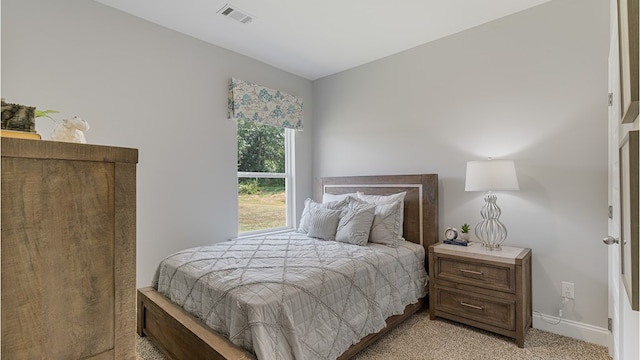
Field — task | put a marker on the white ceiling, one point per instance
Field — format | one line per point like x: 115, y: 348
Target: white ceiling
x: 316, y: 38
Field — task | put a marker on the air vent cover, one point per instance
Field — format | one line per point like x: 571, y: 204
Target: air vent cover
x: 236, y: 14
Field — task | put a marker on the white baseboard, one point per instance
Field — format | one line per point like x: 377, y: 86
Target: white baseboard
x: 572, y: 329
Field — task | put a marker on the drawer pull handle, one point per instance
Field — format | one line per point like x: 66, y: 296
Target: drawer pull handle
x: 471, y: 272
x: 472, y: 306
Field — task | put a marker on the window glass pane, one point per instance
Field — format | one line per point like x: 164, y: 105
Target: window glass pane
x: 261, y: 204
x: 261, y: 200
x: 260, y: 148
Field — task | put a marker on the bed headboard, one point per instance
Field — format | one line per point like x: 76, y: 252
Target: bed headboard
x: 420, y: 203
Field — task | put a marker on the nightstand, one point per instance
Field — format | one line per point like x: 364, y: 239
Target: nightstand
x: 487, y: 289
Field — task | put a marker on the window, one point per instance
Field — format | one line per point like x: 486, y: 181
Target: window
x: 265, y: 180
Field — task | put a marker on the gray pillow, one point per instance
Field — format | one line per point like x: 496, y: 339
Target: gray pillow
x: 323, y: 223
x: 386, y: 223
x: 387, y: 199
x: 326, y: 197
x: 309, y: 205
x: 355, y: 222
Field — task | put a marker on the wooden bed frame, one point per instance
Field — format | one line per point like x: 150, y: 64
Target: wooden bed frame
x: 179, y: 335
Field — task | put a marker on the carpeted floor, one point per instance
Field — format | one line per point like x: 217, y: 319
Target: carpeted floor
x: 419, y: 338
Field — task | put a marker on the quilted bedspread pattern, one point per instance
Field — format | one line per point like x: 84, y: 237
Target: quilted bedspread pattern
x: 293, y: 297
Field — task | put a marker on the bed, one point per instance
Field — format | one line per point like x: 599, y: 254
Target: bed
x: 180, y: 335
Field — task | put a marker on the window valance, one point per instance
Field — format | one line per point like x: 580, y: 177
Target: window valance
x: 248, y: 101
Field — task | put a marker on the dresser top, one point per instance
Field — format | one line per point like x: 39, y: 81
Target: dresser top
x: 506, y: 254
x: 43, y: 149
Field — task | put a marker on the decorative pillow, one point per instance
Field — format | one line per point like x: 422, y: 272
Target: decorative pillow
x: 309, y: 205
x: 386, y: 224
x: 387, y: 199
x: 355, y: 222
x: 323, y: 223
x: 326, y: 197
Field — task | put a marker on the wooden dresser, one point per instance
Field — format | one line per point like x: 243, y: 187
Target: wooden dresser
x: 490, y: 290
x: 68, y: 250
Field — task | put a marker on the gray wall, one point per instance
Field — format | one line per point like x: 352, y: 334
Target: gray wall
x: 143, y: 86
x: 531, y: 87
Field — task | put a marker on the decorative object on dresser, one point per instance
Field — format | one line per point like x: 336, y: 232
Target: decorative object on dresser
x: 20, y: 134
x: 491, y: 175
x: 488, y: 290
x: 70, y: 130
x: 451, y: 233
x: 18, y: 117
x: 68, y: 250
x: 464, y: 232
x: 45, y: 113
x: 452, y: 237
x: 18, y: 121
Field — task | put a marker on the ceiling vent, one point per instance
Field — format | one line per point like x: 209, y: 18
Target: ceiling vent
x: 236, y: 14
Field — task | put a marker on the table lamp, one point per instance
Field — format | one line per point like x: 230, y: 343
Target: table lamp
x: 491, y: 175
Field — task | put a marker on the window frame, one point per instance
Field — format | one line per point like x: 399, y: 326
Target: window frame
x: 288, y: 175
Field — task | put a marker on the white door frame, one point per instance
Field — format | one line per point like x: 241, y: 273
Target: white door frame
x: 623, y: 344
x: 614, y: 195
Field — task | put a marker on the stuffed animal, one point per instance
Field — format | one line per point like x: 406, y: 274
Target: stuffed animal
x: 70, y: 130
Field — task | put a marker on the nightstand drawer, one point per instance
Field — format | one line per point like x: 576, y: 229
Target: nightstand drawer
x: 484, y: 309
x: 488, y: 276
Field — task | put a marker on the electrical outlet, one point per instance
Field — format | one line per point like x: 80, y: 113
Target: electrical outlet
x: 568, y: 290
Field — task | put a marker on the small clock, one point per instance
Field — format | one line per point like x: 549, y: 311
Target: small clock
x: 451, y: 233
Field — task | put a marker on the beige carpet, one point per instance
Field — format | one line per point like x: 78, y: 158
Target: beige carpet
x: 419, y: 338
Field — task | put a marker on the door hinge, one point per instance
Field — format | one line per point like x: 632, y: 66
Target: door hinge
x: 610, y: 324
x: 610, y: 211
x: 610, y: 99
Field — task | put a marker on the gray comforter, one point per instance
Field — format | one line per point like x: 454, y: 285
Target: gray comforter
x: 292, y: 297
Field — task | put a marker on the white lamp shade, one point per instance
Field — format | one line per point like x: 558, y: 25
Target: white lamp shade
x: 491, y: 175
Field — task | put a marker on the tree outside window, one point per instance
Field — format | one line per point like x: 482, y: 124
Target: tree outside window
x: 263, y: 176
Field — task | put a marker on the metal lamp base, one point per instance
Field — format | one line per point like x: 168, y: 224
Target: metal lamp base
x: 490, y: 230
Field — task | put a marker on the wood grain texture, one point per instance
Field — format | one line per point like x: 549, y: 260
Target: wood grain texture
x: 125, y: 260
x: 59, y: 254
x: 420, y: 204
x: 484, y: 291
x: 179, y: 335
x: 182, y: 336
x: 496, y: 277
x: 67, y: 151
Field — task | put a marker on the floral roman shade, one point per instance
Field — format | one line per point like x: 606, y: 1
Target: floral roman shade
x: 253, y: 102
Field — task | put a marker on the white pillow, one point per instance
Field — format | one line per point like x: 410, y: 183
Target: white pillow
x: 309, y: 205
x: 355, y: 222
x: 382, y: 199
x: 323, y: 223
x: 386, y: 224
x: 326, y: 197
x: 387, y: 199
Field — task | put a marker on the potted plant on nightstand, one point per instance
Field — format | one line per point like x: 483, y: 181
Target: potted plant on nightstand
x: 464, y: 232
